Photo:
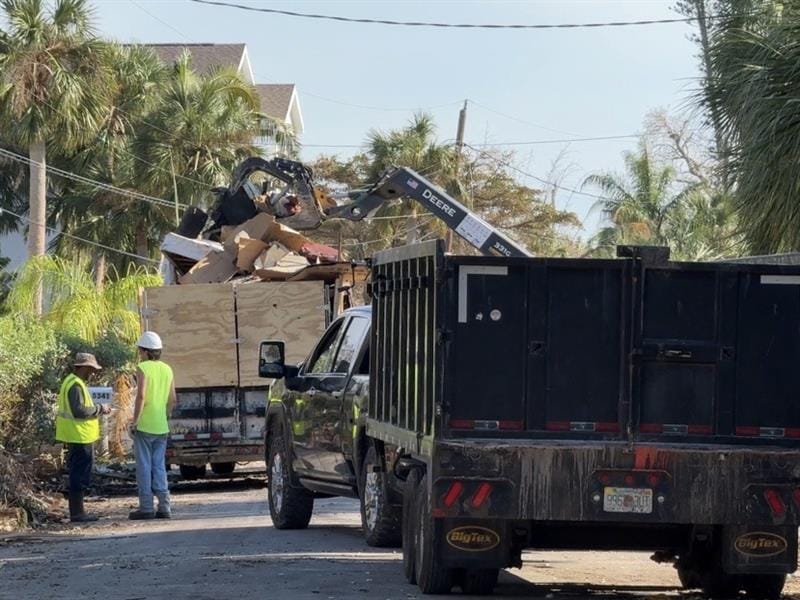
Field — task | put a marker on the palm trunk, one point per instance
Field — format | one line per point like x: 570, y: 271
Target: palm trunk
x: 100, y: 270
x: 37, y: 198
x: 142, y: 244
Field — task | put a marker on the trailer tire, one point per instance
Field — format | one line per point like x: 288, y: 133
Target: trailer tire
x: 290, y: 506
x: 409, y: 523
x: 432, y: 577
x: 763, y: 587
x: 224, y: 468
x: 380, y: 520
x: 479, y: 582
x: 192, y: 472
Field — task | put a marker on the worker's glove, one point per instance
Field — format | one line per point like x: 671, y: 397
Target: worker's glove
x: 105, y: 409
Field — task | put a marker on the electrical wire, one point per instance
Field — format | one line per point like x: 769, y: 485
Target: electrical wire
x: 511, y: 166
x: 289, y: 13
x: 80, y: 239
x: 97, y: 184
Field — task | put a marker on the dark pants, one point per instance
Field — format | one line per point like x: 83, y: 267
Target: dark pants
x: 80, y: 458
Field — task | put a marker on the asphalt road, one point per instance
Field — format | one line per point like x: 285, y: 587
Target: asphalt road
x: 221, y: 544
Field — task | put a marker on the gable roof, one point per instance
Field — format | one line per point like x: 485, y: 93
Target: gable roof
x: 276, y: 99
x: 205, y: 57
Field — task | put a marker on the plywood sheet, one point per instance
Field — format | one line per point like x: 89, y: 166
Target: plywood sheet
x: 197, y: 325
x: 293, y: 312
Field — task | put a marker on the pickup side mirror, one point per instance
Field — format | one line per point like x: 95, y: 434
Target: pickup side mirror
x: 271, y: 360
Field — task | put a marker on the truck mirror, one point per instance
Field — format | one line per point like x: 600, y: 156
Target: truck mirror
x: 271, y: 359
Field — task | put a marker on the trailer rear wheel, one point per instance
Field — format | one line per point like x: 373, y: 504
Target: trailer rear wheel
x: 290, y: 505
x: 225, y: 468
x: 479, y: 582
x: 381, y: 520
x: 409, y: 524
x: 192, y: 472
x: 689, y: 578
x: 432, y: 577
x: 763, y: 587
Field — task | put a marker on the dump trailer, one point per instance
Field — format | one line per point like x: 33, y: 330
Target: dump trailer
x: 211, y: 334
x: 487, y: 405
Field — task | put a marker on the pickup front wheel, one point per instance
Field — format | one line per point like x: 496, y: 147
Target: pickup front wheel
x: 381, y: 520
x: 290, y: 505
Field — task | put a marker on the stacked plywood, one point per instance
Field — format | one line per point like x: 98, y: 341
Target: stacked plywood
x: 212, y: 332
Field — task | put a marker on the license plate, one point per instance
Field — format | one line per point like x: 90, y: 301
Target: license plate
x: 628, y: 500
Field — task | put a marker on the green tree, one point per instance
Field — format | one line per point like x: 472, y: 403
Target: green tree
x: 72, y: 302
x: 755, y: 87
x: 51, y: 88
x: 640, y: 206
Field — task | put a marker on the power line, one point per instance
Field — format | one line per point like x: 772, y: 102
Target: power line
x: 290, y: 13
x: 97, y: 184
x: 509, y: 165
x: 514, y: 143
x: 518, y: 120
x: 80, y: 239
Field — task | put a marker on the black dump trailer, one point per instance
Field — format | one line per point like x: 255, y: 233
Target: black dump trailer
x: 630, y: 403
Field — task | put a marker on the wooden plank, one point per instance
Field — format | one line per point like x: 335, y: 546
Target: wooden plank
x: 197, y: 325
x: 278, y: 310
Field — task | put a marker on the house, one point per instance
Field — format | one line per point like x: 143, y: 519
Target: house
x: 279, y: 101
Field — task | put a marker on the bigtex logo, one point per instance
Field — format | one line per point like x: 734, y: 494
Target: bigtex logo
x: 760, y: 543
x: 473, y: 538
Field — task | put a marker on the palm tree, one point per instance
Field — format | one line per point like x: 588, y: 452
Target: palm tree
x: 199, y: 132
x: 137, y: 81
x: 50, y: 88
x: 755, y: 88
x: 72, y: 302
x: 640, y: 206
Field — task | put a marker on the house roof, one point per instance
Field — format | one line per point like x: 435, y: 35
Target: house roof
x: 276, y: 99
x: 205, y: 57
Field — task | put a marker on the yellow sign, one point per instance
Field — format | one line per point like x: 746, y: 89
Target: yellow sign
x: 472, y: 538
x: 760, y: 543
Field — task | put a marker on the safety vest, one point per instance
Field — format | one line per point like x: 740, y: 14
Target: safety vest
x: 158, y: 383
x: 68, y: 428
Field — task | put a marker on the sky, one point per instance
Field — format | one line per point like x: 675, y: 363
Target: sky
x: 522, y: 85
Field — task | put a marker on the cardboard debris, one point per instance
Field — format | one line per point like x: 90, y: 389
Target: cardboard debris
x: 184, y: 252
x: 216, y: 267
x: 226, y: 232
x: 271, y: 256
x: 248, y: 250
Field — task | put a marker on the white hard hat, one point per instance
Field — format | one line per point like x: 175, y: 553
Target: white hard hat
x: 150, y: 340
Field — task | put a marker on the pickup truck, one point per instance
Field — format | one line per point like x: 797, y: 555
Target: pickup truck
x: 485, y: 405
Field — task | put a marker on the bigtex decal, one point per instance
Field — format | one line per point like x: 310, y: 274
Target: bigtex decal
x: 472, y: 538
x: 760, y: 543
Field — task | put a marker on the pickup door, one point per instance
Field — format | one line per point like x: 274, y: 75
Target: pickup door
x: 316, y: 400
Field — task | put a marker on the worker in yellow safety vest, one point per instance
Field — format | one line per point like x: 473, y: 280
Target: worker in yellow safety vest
x: 155, y: 398
x: 78, y: 427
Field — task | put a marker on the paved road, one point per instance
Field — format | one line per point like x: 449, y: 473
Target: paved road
x: 222, y: 545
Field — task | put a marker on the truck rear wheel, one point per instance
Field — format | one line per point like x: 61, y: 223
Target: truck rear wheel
x: 763, y: 587
x: 432, y: 577
x: 380, y: 520
x: 409, y: 525
x: 290, y: 505
x: 192, y: 472
x: 225, y: 468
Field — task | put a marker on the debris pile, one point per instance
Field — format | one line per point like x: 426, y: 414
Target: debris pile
x: 259, y: 249
x: 22, y: 501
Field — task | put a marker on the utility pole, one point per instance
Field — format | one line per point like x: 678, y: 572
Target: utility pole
x: 462, y: 123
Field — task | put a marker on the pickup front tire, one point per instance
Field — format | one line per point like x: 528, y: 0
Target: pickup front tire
x: 290, y: 505
x: 381, y: 521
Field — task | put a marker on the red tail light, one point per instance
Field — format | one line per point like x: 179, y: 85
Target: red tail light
x: 604, y: 478
x: 653, y: 480
x: 481, y: 494
x: 629, y: 480
x: 453, y: 493
x: 775, y: 502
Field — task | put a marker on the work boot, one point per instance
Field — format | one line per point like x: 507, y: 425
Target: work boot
x: 163, y: 514
x: 141, y: 515
x: 76, y: 512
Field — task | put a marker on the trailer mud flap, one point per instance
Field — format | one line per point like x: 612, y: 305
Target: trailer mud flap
x: 756, y: 549
x: 474, y: 543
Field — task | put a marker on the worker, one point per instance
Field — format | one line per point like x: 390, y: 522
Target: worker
x: 155, y: 398
x: 78, y: 427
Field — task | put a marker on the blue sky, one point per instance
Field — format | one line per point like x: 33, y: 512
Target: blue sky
x: 548, y: 84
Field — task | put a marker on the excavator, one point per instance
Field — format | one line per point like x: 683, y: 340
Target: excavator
x: 301, y: 205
